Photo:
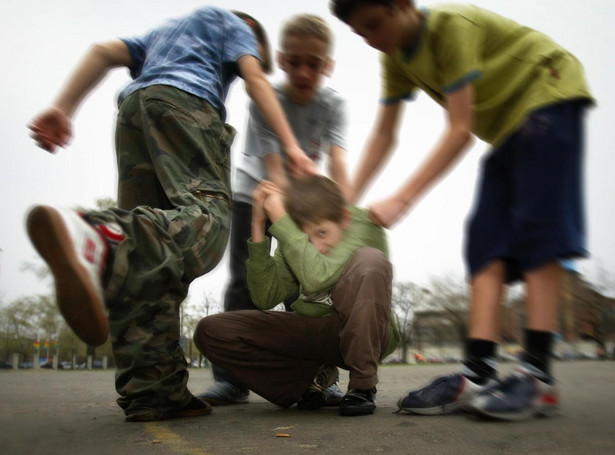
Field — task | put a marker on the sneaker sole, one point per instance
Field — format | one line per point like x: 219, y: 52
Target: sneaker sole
x: 333, y: 401
x: 514, y: 417
x: 311, y: 401
x: 76, y: 296
x: 215, y: 402
x: 357, y: 411
x: 155, y: 417
x: 451, y: 408
x: 193, y: 412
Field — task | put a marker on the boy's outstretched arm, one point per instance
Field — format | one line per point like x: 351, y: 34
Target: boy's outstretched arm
x: 52, y: 128
x: 338, y: 169
x: 260, y: 91
x: 379, y: 145
x: 275, y: 170
x: 455, y: 139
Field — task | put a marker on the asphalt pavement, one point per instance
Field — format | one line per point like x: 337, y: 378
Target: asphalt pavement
x: 74, y: 412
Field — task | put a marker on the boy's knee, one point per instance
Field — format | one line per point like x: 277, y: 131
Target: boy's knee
x: 203, y: 333
x: 368, y: 260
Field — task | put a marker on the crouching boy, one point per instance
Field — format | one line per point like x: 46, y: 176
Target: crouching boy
x: 338, y: 261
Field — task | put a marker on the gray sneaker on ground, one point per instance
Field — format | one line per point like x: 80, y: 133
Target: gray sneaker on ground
x: 333, y: 395
x: 223, y: 393
x: 315, y: 397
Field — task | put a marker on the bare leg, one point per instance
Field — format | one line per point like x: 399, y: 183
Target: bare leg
x: 543, y: 286
x: 487, y: 286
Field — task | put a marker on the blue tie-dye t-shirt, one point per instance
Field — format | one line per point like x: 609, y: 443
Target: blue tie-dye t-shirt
x: 197, y: 54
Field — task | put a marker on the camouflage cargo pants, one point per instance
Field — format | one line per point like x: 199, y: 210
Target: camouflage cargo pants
x: 173, y: 156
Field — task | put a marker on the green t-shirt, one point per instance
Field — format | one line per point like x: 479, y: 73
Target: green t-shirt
x: 296, y: 265
x: 514, y: 69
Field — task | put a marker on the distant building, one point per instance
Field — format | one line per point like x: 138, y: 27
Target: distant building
x: 585, y: 315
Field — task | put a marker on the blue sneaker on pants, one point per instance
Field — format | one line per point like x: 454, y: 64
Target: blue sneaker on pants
x: 444, y: 395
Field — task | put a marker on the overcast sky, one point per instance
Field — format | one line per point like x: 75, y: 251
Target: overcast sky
x: 42, y: 41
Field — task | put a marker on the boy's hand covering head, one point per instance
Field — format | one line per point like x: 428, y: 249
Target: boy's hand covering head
x: 258, y: 202
x: 274, y: 202
x: 268, y: 202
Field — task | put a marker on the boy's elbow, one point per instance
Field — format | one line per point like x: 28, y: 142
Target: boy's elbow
x: 463, y: 136
x: 111, y: 53
x: 259, y: 299
x: 310, y: 286
x: 253, y: 82
x: 251, y: 85
x: 468, y: 138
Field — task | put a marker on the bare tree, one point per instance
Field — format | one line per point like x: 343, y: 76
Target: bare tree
x: 191, y: 313
x: 450, y: 295
x: 443, y: 316
x: 17, y: 325
x: 406, y: 299
x: 48, y: 316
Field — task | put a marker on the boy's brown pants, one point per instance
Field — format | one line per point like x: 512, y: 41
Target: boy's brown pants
x: 277, y: 354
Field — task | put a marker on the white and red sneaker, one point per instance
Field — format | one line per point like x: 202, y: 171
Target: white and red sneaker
x: 76, y: 253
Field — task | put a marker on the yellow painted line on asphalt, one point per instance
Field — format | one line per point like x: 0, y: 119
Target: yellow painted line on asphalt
x: 164, y: 435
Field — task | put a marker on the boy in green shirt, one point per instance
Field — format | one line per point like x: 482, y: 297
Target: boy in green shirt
x: 337, y: 260
x: 317, y: 117
x: 519, y: 91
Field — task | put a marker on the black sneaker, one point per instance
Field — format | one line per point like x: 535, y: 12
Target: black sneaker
x: 358, y: 402
x: 195, y: 408
x: 315, y: 397
x: 223, y: 393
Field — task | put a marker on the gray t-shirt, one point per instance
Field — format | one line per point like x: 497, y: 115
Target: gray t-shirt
x: 317, y: 126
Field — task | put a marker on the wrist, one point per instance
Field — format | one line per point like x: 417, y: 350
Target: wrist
x: 65, y: 108
x: 258, y: 231
x: 406, y: 196
x: 276, y: 214
x: 291, y: 149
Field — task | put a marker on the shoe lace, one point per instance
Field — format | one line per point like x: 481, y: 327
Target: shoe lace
x: 518, y: 384
x: 325, y: 377
x: 440, y: 388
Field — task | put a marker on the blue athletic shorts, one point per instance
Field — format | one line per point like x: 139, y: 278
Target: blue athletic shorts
x: 529, y: 208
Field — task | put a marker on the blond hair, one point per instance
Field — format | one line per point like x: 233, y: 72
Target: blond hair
x: 307, y: 25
